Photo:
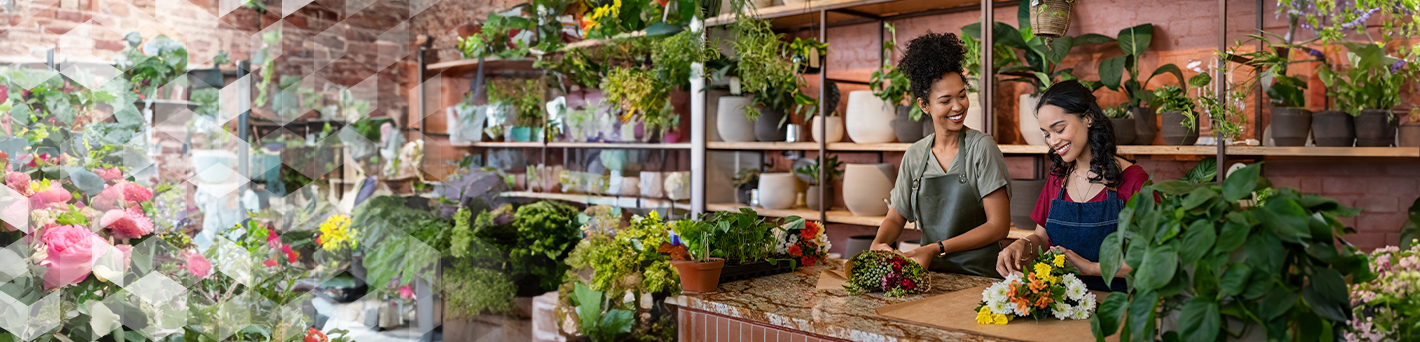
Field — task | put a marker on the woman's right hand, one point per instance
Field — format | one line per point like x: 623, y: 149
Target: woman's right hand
x: 1010, y: 259
x: 878, y: 246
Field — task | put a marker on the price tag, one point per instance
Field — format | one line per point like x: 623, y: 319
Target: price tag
x: 813, y: 58
x: 735, y: 85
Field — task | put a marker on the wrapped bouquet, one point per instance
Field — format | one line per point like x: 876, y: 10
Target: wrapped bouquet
x: 1048, y: 288
x: 804, y: 240
x: 894, y: 274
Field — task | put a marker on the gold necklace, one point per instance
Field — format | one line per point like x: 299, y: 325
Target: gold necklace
x: 1089, y: 186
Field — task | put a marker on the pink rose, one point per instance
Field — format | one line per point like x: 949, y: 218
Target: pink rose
x: 129, y: 224
x: 109, y: 174
x: 121, y: 194
x: 20, y: 182
x: 72, y: 253
x: 55, y: 193
x: 4, y: 93
x: 198, y: 265
x: 406, y: 292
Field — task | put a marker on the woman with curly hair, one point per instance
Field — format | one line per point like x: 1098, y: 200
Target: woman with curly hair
x: 1087, y: 188
x: 953, y: 183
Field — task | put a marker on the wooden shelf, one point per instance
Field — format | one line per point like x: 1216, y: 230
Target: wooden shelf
x: 501, y: 144
x: 1359, y: 152
x: 770, y: 146
x: 834, y: 216
x: 641, y: 146
x: 850, y: 11
x: 614, y: 201
x: 491, y: 65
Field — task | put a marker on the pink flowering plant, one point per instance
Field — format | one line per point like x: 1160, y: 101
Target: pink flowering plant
x: 1387, y: 308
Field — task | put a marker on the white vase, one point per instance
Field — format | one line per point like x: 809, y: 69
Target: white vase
x: 630, y: 186
x: 835, y: 129
x: 205, y: 164
x: 866, y: 188
x: 974, y: 119
x: 778, y: 190
x: 1030, y: 127
x: 614, y: 184
x: 870, y: 118
x: 651, y: 183
x: 678, y: 185
x: 730, y: 120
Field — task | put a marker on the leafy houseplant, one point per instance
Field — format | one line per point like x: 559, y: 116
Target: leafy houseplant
x: 1225, y: 110
x: 1389, y: 304
x: 808, y: 55
x: 1367, y: 89
x: 524, y: 97
x: 637, y: 92
x: 1123, y: 122
x: 811, y: 171
x: 626, y: 260
x: 152, y: 65
x: 496, y: 38
x: 764, y: 69
x: 1134, y: 41
x: 1229, y: 265
x: 609, y: 324
x: 889, y: 83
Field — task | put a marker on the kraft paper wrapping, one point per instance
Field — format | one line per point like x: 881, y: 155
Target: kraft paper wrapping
x: 831, y: 280
x: 956, y: 311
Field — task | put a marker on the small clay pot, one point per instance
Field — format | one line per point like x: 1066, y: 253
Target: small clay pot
x: 1333, y: 128
x: 1123, y: 131
x: 699, y: 276
x: 1291, y: 126
x: 1375, y: 128
x: 1173, y: 131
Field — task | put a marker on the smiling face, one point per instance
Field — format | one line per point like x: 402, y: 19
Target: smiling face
x: 1067, y: 134
x: 946, y: 102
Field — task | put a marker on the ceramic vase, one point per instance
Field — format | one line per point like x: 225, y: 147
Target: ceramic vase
x: 614, y: 184
x: 1291, y: 126
x: 866, y: 188
x: 678, y: 185
x: 1123, y: 131
x: 869, y: 118
x: 1029, y: 126
x: 835, y: 129
x: 1333, y: 128
x: 1145, y: 125
x: 857, y: 244
x: 778, y: 190
x: 651, y: 183
x: 1375, y: 128
x: 630, y: 186
x: 907, y: 130
x: 974, y: 119
x: 767, y: 128
x: 1174, y: 133
x: 730, y: 120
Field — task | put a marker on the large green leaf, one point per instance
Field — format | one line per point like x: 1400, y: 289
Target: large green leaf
x: 1134, y: 40
x: 1109, y: 314
x: 1241, y: 183
x: 1233, y: 235
x: 1141, y: 315
x: 1170, y: 69
x: 1091, y: 38
x: 1059, y: 48
x: 1285, y: 218
x: 1111, y: 254
x: 1158, y: 268
x: 1198, y: 197
x: 1111, y: 71
x: 1175, y: 187
x: 1321, y: 294
x: 1278, y: 303
x: 1234, y: 280
x: 1205, y: 171
x: 589, y: 306
x: 1199, y: 320
x: 1198, y: 240
x: 1023, y: 15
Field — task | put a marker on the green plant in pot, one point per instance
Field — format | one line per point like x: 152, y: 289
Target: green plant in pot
x: 1133, y: 42
x: 638, y: 94
x: 1180, y: 119
x: 1291, y: 121
x: 764, y: 70
x: 1238, y: 260
x: 1368, y: 88
x: 1225, y: 109
x: 524, y: 98
x: 690, y: 252
x: 830, y: 170
x: 625, y: 260
x: 891, y: 85
x: 1123, y: 122
x: 152, y: 65
x: 808, y: 55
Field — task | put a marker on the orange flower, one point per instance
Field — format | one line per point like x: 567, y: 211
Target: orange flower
x: 1036, y: 284
x: 1043, y: 301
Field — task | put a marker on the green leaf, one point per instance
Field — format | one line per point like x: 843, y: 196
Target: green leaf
x: 1278, y: 303
x: 1202, y: 79
x: 1282, y: 216
x: 1198, y: 197
x: 1111, y: 254
x: 1206, y: 171
x: 1091, y: 38
x: 1158, y: 268
x: 1171, y: 69
x: 1234, y: 280
x: 1241, y: 183
x: 1141, y: 315
x: 1109, y: 314
x: 1198, y: 240
x: 1175, y: 187
x: 1168, y: 231
x: 1059, y: 47
x: 1199, y: 320
x: 589, y: 306
x: 662, y: 29
x: 1134, y: 40
x: 1319, y: 302
x: 1111, y: 71
x: 1233, y: 236
x: 87, y: 181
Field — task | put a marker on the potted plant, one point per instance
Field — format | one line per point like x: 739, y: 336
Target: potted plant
x: 765, y: 71
x: 151, y: 66
x: 892, y: 87
x: 1368, y: 89
x: 745, y: 181
x: 1410, y: 129
x: 1123, y: 122
x: 1180, y: 121
x: 1225, y: 114
x: 745, y: 240
x: 613, y: 258
x: 524, y: 99
x: 810, y: 173
x: 640, y: 97
x: 1291, y: 121
x: 698, y: 271
x: 808, y: 55
x: 834, y: 122
x: 1051, y: 18
x: 1239, y: 260
x: 1133, y: 42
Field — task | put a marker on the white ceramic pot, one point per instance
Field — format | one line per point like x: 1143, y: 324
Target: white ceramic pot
x: 778, y: 190
x: 835, y: 129
x: 730, y: 120
x: 614, y: 184
x: 1030, y: 127
x: 870, y: 118
x: 866, y: 188
x: 678, y: 185
x: 974, y: 119
x: 630, y: 186
x: 651, y: 183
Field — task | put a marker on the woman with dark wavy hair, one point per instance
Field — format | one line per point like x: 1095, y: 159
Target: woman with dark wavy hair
x: 1087, y: 188
x: 952, y: 183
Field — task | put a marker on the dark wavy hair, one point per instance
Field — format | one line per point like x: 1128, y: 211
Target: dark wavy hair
x: 928, y: 58
x: 1077, y: 100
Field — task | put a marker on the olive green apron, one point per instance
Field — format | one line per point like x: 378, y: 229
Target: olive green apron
x: 948, y: 206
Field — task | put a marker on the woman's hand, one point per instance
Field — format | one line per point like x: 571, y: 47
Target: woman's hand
x: 1084, y: 266
x: 877, y: 246
x: 1011, y: 258
x: 922, y: 255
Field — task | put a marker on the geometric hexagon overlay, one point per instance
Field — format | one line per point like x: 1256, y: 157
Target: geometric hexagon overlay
x: 28, y: 321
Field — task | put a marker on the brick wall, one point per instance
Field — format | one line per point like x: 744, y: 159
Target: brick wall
x: 699, y: 326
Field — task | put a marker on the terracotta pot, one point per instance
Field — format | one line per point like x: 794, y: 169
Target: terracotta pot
x: 906, y: 130
x: 1375, y: 128
x: 835, y: 128
x: 866, y: 188
x: 811, y: 197
x: 767, y: 128
x: 1291, y: 126
x: 651, y: 183
x: 1145, y: 126
x: 1024, y: 193
x: 730, y: 120
x: 778, y: 190
x: 869, y: 118
x: 1333, y: 128
x: 1123, y: 131
x: 1025, y: 115
x: 1409, y: 134
x: 857, y: 244
x: 1173, y: 131
x: 699, y: 276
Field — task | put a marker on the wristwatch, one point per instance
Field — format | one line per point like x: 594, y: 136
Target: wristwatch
x: 942, y: 249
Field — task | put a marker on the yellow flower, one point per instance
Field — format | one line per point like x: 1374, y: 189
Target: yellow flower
x: 1042, y: 271
x: 1001, y: 319
x: 983, y: 316
x: 1059, y: 260
x: 335, y: 233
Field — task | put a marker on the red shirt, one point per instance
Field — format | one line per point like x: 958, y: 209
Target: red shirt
x: 1132, y: 178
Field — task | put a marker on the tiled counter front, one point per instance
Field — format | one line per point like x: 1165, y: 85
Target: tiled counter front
x: 788, y: 308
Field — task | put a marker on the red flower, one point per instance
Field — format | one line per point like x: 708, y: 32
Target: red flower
x: 810, y: 260
x: 794, y: 251
x: 318, y: 241
x: 272, y: 239
x: 269, y: 262
x: 291, y: 256
x: 909, y: 284
x: 314, y: 335
x: 810, y: 230
x: 4, y: 93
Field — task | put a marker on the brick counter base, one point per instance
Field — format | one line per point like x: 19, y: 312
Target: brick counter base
x: 700, y: 326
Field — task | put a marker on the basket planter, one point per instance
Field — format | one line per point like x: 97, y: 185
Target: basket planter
x: 1291, y: 126
x: 1173, y: 131
x: 754, y: 270
x: 1375, y: 128
x: 1333, y: 128
x: 1123, y: 131
x: 699, y: 276
x: 1051, y: 18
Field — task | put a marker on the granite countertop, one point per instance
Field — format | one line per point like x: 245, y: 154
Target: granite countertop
x: 791, y: 300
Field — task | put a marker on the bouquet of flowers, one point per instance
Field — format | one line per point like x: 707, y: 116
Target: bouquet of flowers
x: 1049, y: 288
x: 804, y: 240
x: 894, y: 274
x: 1387, y: 308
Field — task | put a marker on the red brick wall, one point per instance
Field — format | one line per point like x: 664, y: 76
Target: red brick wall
x: 699, y: 326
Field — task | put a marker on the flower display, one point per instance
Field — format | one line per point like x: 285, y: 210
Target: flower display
x: 120, y: 195
x: 72, y: 251
x: 1383, y: 309
x: 803, y: 240
x: 891, y: 273
x: 198, y: 265
x: 1048, y: 289
x: 335, y: 234
x: 127, y: 224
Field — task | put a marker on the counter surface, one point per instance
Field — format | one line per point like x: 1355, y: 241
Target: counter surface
x: 791, y: 300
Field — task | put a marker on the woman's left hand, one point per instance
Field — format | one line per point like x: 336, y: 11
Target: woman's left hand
x: 922, y: 255
x: 1084, y: 266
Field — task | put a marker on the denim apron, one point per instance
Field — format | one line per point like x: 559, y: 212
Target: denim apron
x: 1081, y: 227
x: 952, y: 207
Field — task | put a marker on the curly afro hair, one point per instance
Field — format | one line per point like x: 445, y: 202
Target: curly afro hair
x: 929, y: 57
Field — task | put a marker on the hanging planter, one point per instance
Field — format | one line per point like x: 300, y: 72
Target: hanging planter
x: 1050, y: 18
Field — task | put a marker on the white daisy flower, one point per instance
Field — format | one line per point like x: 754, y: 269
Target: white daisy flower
x: 1061, y: 310
x: 1000, y: 307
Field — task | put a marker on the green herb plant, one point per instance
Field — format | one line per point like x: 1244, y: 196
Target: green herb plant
x: 1040, y: 58
x: 1133, y: 42
x: 1118, y: 112
x: 523, y: 96
x: 1225, y: 109
x: 1228, y: 261
x: 495, y: 39
x: 812, y: 170
x: 1372, y: 80
x: 636, y: 91
x: 889, y: 83
x: 764, y: 69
